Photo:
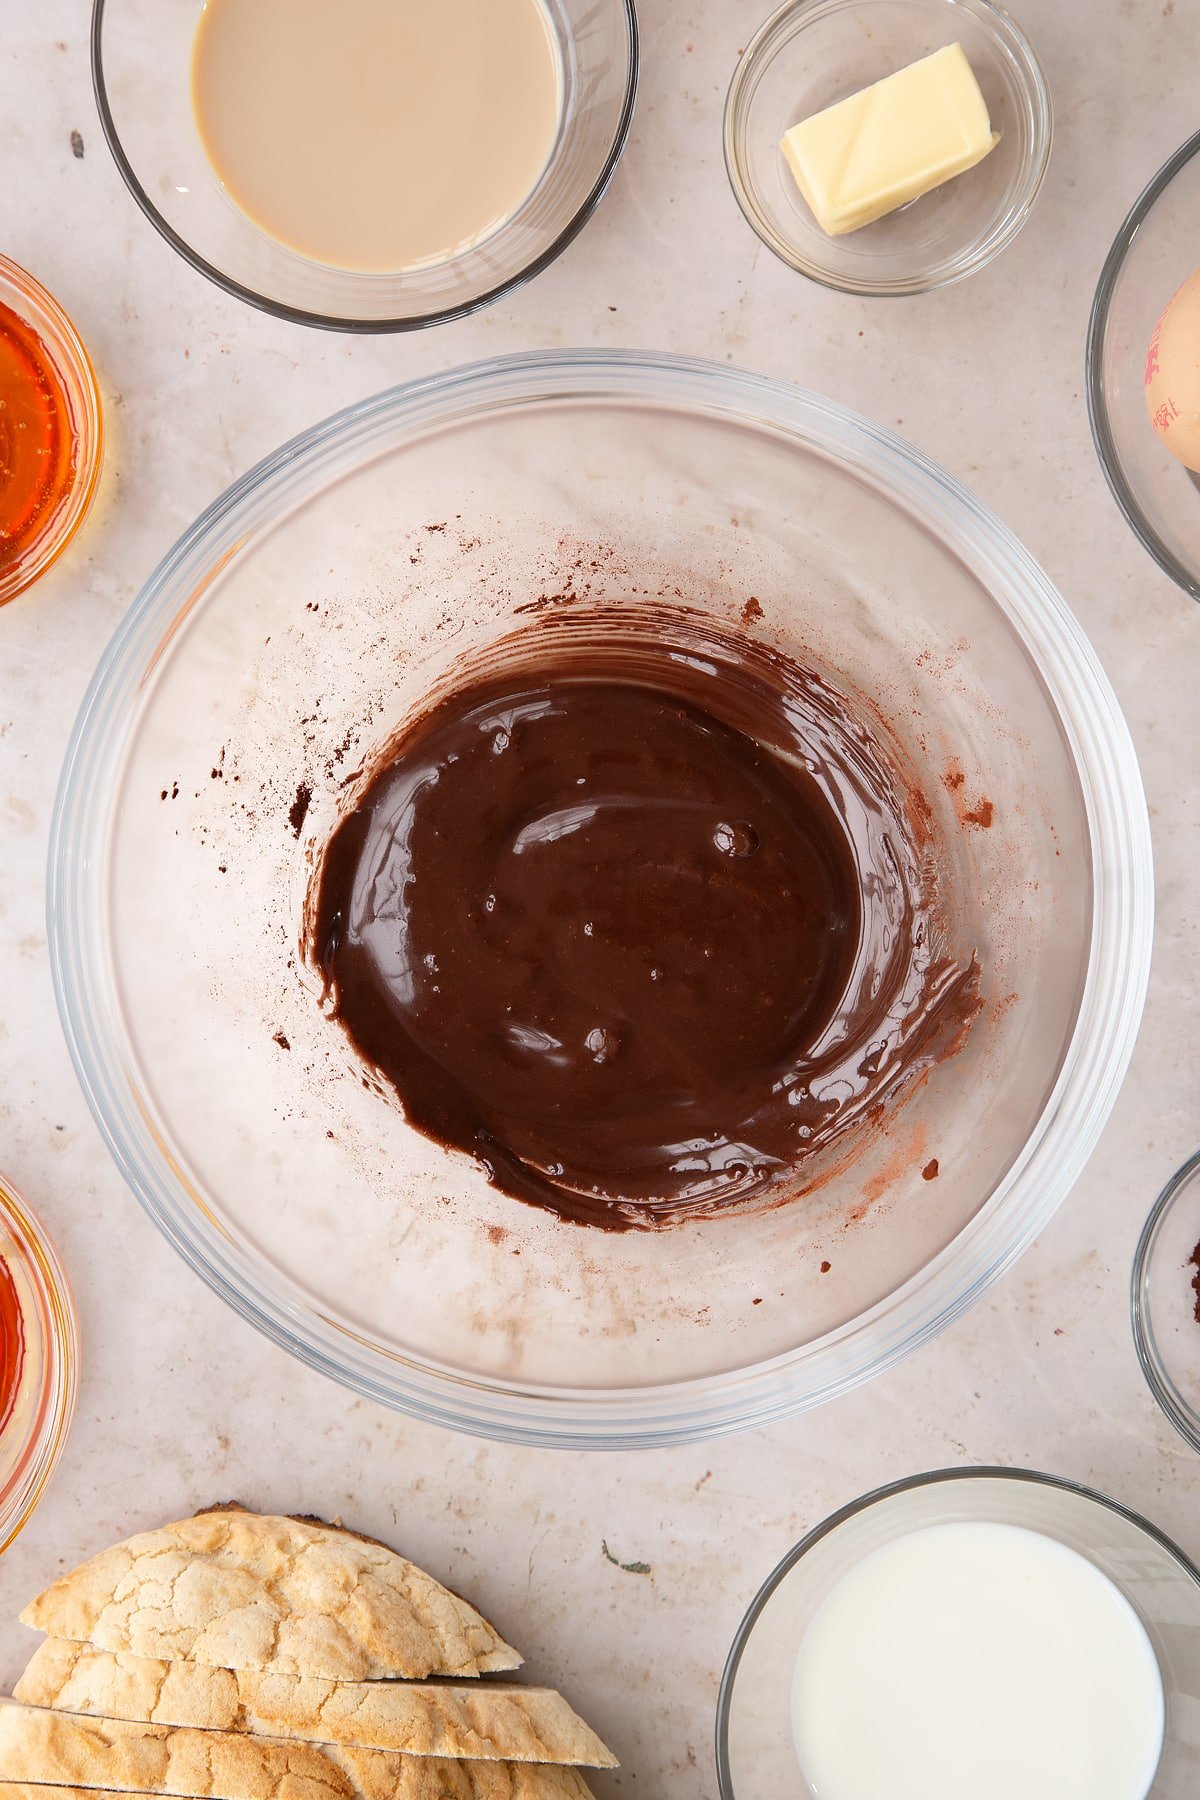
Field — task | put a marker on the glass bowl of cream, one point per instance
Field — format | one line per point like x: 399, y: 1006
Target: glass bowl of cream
x: 977, y: 1631
x: 390, y: 167
x: 311, y: 612
x: 811, y: 54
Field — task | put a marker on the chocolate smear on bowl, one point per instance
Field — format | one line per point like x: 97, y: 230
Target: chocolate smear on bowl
x: 634, y: 914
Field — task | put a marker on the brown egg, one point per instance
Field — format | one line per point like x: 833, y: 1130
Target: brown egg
x: 1173, y: 375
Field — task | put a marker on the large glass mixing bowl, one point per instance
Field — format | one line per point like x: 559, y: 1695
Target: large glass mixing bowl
x: 291, y: 630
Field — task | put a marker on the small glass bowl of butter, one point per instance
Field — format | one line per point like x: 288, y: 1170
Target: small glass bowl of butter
x: 810, y: 55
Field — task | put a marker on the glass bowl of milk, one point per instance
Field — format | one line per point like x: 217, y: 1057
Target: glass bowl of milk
x: 376, y: 167
x: 981, y: 1633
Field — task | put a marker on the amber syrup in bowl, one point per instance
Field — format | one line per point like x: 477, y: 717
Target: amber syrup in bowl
x: 50, y: 430
x: 39, y: 1361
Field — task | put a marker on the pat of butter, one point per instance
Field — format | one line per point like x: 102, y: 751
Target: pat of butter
x: 889, y: 143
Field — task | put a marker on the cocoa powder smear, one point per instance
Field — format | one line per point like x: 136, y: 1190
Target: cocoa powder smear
x: 640, y: 924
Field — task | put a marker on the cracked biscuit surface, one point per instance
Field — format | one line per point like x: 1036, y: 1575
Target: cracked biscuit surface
x: 473, y: 1719
x: 242, y: 1590
x: 42, y: 1753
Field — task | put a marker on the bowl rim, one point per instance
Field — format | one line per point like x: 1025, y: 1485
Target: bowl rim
x: 1093, y: 1065
x: 74, y: 366
x: 60, y: 1379
x: 1184, y: 1417
x: 295, y: 315
x: 908, y: 1484
x: 1005, y: 29
x: 1103, y: 436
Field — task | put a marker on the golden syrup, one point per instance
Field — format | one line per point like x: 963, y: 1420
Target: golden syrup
x: 38, y: 440
x: 12, y: 1343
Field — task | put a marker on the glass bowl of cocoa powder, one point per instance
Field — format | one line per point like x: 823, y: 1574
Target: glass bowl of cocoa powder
x: 1166, y: 1300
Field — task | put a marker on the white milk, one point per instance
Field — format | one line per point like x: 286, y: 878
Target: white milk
x: 977, y: 1662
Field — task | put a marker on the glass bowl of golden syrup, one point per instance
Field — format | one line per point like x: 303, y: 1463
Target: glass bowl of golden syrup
x: 39, y: 1362
x: 51, y: 435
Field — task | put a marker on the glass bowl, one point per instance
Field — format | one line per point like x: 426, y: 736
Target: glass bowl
x: 141, y: 61
x: 1166, y: 1305
x: 70, y: 362
x: 1153, y: 254
x: 33, y: 1435
x: 291, y: 631
x: 755, y: 1755
x: 812, y: 53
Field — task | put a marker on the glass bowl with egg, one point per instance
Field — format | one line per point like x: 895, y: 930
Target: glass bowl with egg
x: 812, y: 54
x: 392, y: 168
x: 39, y: 1362
x: 1165, y: 1300
x: 978, y: 1631
x: 1150, y: 271
x: 308, y: 616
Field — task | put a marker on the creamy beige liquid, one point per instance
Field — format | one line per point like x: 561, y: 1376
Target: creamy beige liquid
x: 377, y: 134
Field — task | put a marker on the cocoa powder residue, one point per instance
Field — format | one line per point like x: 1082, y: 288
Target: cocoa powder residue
x: 981, y: 813
x: 299, y: 808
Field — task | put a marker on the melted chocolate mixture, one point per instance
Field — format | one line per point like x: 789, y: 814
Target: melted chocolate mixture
x: 640, y: 932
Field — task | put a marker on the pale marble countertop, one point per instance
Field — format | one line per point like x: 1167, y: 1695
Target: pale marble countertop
x: 180, y: 1402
